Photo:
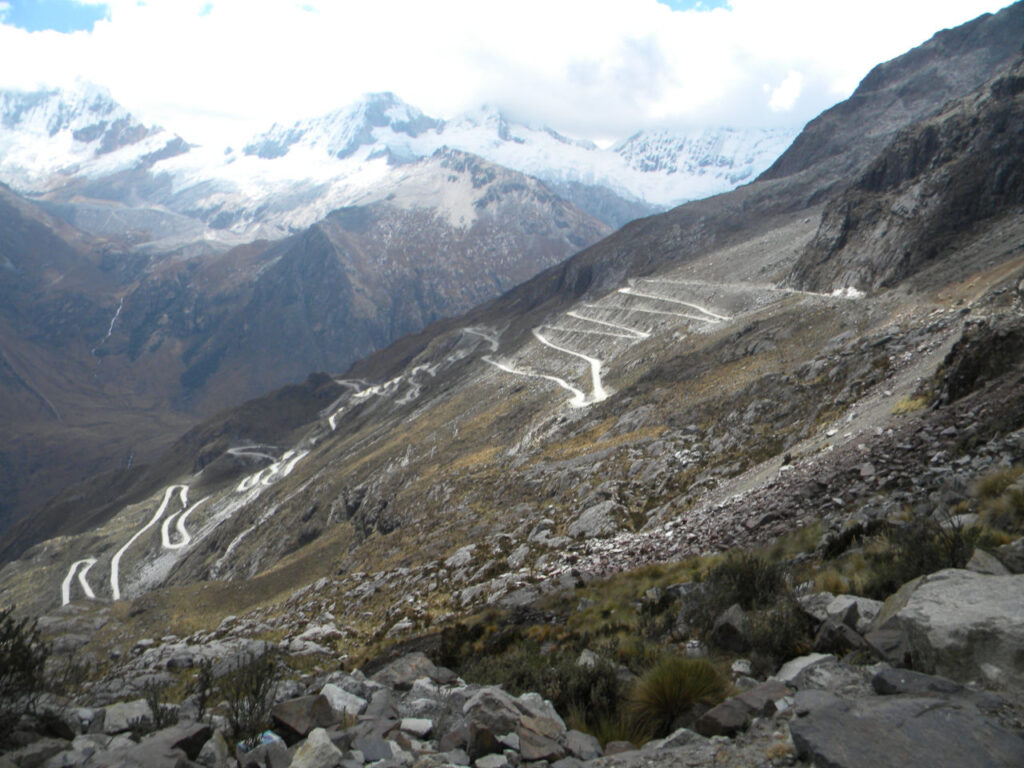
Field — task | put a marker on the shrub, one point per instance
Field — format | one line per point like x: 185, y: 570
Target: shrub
x: 669, y: 690
x: 248, y: 688
x: 163, y: 714
x: 779, y: 633
x: 23, y: 656
x: 916, y: 548
x: 524, y: 667
x: 202, y: 687
x: 743, y: 578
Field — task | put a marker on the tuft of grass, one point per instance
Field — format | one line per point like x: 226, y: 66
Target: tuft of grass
x: 831, y: 580
x: 669, y: 690
x: 910, y: 405
x: 1001, y: 499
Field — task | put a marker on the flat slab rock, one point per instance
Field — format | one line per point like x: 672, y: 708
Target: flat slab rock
x: 911, y: 732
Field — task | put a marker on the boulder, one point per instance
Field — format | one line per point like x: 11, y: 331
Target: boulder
x: 985, y: 562
x: 583, y: 745
x: 273, y: 754
x: 838, y: 638
x: 493, y: 708
x: 855, y: 612
x: 1012, y: 555
x: 215, y: 751
x: 602, y: 519
x: 891, y: 681
x: 731, y: 630
x: 727, y: 719
x: 492, y: 761
x: 794, y: 667
x: 913, y: 732
x: 401, y: 673
x: 188, y: 737
x: 317, y: 751
x: 342, y: 701
x: 955, y: 621
x: 118, y: 717
x: 297, y: 717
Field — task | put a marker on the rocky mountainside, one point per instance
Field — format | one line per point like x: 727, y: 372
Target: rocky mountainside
x: 110, y: 355
x: 698, y: 450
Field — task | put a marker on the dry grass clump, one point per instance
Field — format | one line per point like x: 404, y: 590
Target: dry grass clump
x: 669, y: 690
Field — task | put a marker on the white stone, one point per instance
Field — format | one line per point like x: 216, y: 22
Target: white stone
x: 343, y: 701
x: 792, y: 668
x: 317, y: 751
x: 420, y: 727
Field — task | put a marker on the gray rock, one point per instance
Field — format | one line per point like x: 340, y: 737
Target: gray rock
x: 317, y: 751
x: 855, y: 612
x: 38, y: 752
x: 618, y: 747
x: 838, y: 638
x: 342, y: 701
x: 403, y: 672
x: 731, y: 630
x: 985, y: 562
x: 456, y: 757
x: 493, y: 708
x: 492, y: 761
x: 908, y: 731
x: 375, y: 749
x: 583, y: 745
x: 890, y: 681
x: 761, y: 700
x: 188, y: 737
x: 1012, y: 555
x: 418, y: 726
x: 956, y: 620
x: 272, y: 755
x: 602, y: 519
x: 726, y: 719
x: 794, y: 667
x: 816, y: 604
x: 540, y: 738
x: 215, y: 751
x: 119, y: 716
x: 302, y: 715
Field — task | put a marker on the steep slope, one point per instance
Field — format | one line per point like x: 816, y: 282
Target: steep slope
x: 633, y: 405
x: 96, y: 340
x: 60, y: 421
x: 933, y: 183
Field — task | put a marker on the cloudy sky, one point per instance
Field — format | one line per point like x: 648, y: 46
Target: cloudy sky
x: 218, y: 70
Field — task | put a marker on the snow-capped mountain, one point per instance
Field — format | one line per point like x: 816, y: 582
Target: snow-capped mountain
x: 660, y: 169
x: 49, y: 136
x: 80, y: 148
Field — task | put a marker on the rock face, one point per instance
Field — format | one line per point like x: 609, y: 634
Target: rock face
x: 906, y: 731
x: 954, y: 621
x: 893, y: 221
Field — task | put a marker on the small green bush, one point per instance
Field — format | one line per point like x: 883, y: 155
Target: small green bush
x: 669, y: 690
x: 23, y: 656
x: 248, y: 688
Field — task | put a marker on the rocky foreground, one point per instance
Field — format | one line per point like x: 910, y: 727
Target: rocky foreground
x: 966, y: 626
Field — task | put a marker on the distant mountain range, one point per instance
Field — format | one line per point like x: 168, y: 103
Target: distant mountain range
x: 70, y: 145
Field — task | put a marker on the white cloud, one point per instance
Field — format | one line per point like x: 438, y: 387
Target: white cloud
x: 785, y: 95
x: 597, y: 68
